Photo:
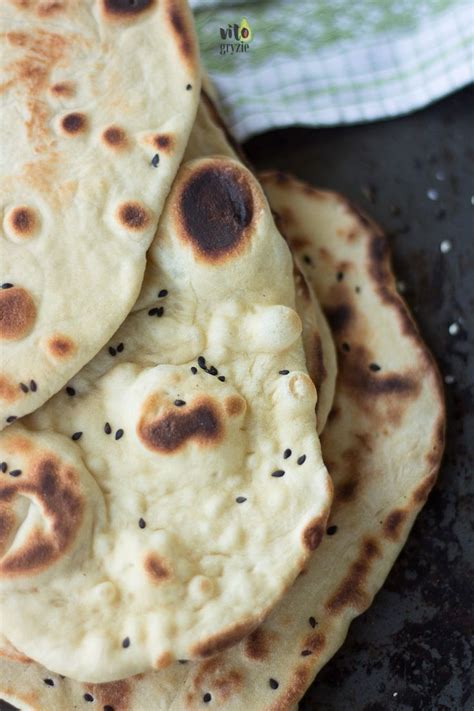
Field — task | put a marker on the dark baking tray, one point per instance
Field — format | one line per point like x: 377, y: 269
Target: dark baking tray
x: 412, y: 650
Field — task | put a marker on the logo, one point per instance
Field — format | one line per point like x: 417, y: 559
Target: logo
x: 238, y: 37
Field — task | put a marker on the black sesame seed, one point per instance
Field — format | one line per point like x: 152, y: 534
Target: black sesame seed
x: 48, y: 682
x: 120, y: 348
x: 88, y: 697
x: 155, y: 160
x: 70, y: 391
x: 287, y: 453
x: 312, y: 622
x: 202, y: 362
x: 278, y: 473
x: 357, y: 289
x: 283, y: 372
x: 76, y: 436
x: 3, y: 467
x: 221, y: 378
x: 241, y: 499
x: 160, y: 311
x: 11, y: 418
x: 307, y: 259
x: 302, y: 459
x: 340, y: 276
x: 119, y: 434
x: 206, y: 698
x: 346, y: 347
x: 33, y: 386
x: 126, y: 642
x: 162, y: 293
x: 194, y: 370
x: 182, y: 661
x: 107, y: 428
x: 112, y: 351
x: 153, y: 312
x: 374, y: 367
x: 179, y: 403
x: 188, y: 87
x: 24, y: 387
x: 212, y: 370
x: 331, y: 530
x: 7, y: 285
x: 15, y: 472
x: 273, y: 684
x: 107, y: 707
x: 306, y: 652
x: 141, y: 523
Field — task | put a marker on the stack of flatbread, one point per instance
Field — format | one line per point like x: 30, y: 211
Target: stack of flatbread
x: 219, y: 419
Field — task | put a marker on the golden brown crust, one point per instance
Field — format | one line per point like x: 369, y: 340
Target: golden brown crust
x: 352, y: 460
x: 393, y: 523
x: 64, y: 89
x: 74, y: 123
x: 352, y: 592
x: 61, y: 346
x: 421, y: 492
x: 17, y: 313
x: 234, y: 405
x: 111, y: 695
x: 163, y: 142
x: 180, y: 27
x: 217, y: 643
x: 293, y: 690
x: 225, y: 683
x: 115, y: 137
x: 9, y: 391
x: 42, y: 51
x: 314, y: 644
x: 157, y: 570
x: 162, y: 661
x: 22, y: 221
x: 314, y: 532
x: 133, y: 216
x: 199, y: 421
x: 257, y: 645
x: 56, y: 488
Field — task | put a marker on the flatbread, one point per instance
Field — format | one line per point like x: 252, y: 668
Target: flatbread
x: 210, y: 137
x: 162, y: 511
x: 101, y: 96
x: 384, y: 441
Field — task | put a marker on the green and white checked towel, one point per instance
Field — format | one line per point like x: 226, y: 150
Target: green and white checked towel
x: 325, y: 62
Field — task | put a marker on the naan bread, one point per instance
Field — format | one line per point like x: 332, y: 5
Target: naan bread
x: 383, y: 441
x: 210, y: 136
x: 163, y: 510
x: 98, y: 98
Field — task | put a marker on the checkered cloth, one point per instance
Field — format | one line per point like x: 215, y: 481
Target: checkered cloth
x: 326, y: 62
